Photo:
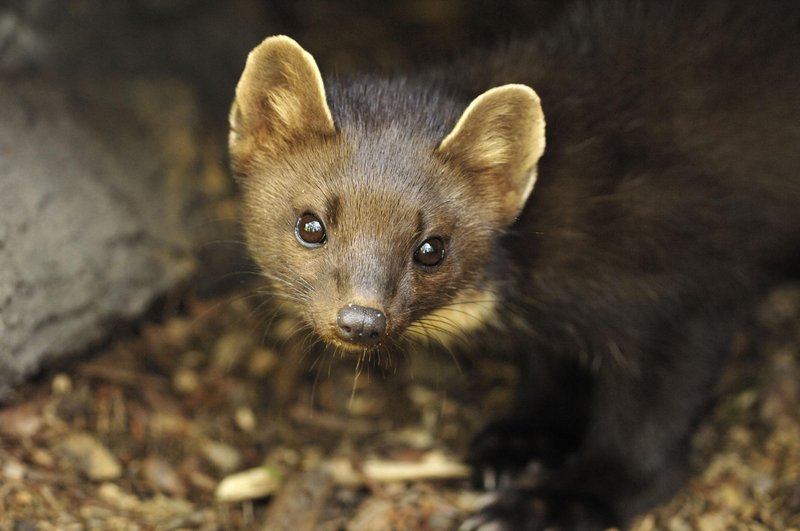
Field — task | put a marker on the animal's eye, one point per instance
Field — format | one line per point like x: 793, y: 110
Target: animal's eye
x: 430, y: 253
x: 309, y: 230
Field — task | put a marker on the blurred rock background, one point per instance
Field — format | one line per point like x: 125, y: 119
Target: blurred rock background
x: 113, y: 181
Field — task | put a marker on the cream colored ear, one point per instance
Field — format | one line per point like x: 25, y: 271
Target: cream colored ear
x: 498, y: 141
x: 279, y: 98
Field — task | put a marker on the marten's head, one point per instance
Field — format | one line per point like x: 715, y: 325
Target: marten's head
x: 379, y: 219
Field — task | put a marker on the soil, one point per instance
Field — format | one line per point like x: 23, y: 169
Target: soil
x: 214, y: 415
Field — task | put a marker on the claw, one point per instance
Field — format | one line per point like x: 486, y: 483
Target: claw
x: 487, y: 499
x: 485, y: 520
x: 490, y: 479
x: 505, y: 480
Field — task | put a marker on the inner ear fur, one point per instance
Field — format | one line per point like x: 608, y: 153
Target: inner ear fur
x: 497, y: 141
x: 280, y: 97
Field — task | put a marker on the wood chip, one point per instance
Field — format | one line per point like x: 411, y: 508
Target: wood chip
x: 160, y: 476
x: 223, y: 457
x: 91, y: 457
x: 433, y: 467
x: 300, y: 502
x: 248, y: 485
x: 20, y: 421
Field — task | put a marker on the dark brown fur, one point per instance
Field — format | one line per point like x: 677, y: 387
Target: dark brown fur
x: 666, y: 204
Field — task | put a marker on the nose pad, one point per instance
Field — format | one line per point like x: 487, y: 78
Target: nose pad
x: 360, y: 325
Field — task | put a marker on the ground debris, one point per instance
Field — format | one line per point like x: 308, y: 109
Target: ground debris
x: 248, y: 485
x: 433, y: 466
x: 301, y: 501
x: 160, y: 476
x: 90, y: 457
x: 203, y: 421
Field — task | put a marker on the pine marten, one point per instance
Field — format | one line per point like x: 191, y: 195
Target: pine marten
x: 613, y: 251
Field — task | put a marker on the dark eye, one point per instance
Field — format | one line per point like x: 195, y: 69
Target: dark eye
x: 309, y: 230
x: 430, y: 253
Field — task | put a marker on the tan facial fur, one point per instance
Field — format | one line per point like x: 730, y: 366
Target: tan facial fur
x: 470, y: 310
x: 381, y: 191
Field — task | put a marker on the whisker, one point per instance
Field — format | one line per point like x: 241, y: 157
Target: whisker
x: 202, y: 316
x: 355, y: 383
x: 211, y: 243
x: 426, y: 329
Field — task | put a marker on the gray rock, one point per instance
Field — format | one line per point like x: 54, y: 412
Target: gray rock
x: 112, y: 177
x: 97, y: 201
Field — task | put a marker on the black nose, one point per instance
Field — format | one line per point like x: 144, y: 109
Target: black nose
x: 360, y: 325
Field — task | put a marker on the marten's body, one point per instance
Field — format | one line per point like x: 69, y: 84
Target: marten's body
x: 616, y: 267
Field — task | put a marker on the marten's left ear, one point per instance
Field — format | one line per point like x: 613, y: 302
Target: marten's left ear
x: 497, y: 142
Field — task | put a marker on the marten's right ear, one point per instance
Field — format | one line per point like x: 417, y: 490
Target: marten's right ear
x: 280, y: 98
x: 496, y: 143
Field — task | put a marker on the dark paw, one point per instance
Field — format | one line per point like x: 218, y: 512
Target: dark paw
x: 516, y: 509
x: 506, y: 448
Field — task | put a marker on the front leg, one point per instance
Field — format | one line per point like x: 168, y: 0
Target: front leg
x: 546, y: 427
x: 634, y: 452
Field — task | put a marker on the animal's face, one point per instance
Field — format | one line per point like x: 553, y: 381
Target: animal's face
x: 375, y: 231
x: 365, y: 248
